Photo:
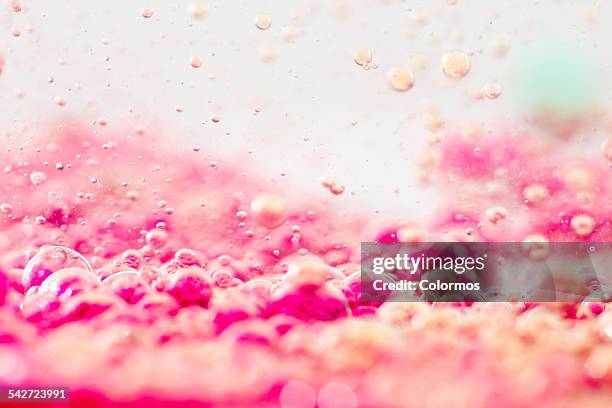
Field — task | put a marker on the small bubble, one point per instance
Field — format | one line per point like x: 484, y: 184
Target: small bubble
x: 456, y: 64
x: 102, y: 121
x: 146, y: 12
x: 37, y: 178
x: 500, y: 47
x: 15, y: 32
x: 197, y: 11
x: 59, y: 101
x: 607, y: 149
x: 496, y: 214
x: 59, y: 166
x: 336, y: 188
x: 362, y: 56
x: 195, y: 62
x: 267, y: 55
x: 178, y: 108
x: 6, y: 208
x: 535, y: 193
x: 263, y: 22
x: 400, y: 79
x: 492, y: 90
x: 215, y: 118
x: 582, y: 224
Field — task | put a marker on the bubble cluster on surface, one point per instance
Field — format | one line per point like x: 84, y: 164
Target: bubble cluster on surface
x: 177, y: 264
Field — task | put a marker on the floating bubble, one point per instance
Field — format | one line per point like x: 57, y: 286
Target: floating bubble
x: 492, y: 90
x: 268, y: 209
x: 195, y: 62
x: 362, y: 56
x: 456, y: 64
x: 337, y: 395
x: 146, y: 12
x: 49, y: 260
x: 297, y: 394
x: 400, y: 79
x: 263, y: 22
x: 582, y: 224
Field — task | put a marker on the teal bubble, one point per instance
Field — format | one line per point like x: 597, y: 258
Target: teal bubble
x: 557, y: 77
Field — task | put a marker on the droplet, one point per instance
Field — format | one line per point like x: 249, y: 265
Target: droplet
x: 400, y: 79
x: 215, y: 118
x: 15, y: 32
x: 456, y: 64
x: 362, y: 56
x: 195, y: 62
x: 492, y: 90
x: 146, y: 12
x: 263, y: 22
x: 102, y: 121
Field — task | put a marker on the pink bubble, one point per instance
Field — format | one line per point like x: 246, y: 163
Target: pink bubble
x: 297, y: 394
x: 337, y: 395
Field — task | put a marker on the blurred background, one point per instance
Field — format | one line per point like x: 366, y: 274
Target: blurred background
x: 289, y: 94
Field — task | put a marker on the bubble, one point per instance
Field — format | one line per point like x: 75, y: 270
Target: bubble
x: 49, y: 260
x: 267, y: 55
x: 268, y: 209
x: 362, y: 56
x: 197, y: 11
x: 535, y: 193
x: 337, y: 395
x: 582, y: 224
x: 607, y: 149
x: 6, y: 208
x: 37, y: 178
x: 492, y: 90
x: 195, y: 62
x: 102, y: 121
x: 500, y: 47
x: 400, y: 79
x: 215, y: 118
x: 59, y: 101
x: 146, y: 12
x: 297, y: 394
x: 496, y: 214
x: 15, y: 32
x: 263, y: 22
x: 456, y: 64
x: 336, y: 188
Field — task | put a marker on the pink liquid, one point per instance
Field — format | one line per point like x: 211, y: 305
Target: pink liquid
x: 215, y: 296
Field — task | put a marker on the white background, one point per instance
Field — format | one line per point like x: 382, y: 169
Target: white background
x: 105, y: 59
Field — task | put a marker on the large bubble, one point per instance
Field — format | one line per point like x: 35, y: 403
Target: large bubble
x: 49, y: 260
